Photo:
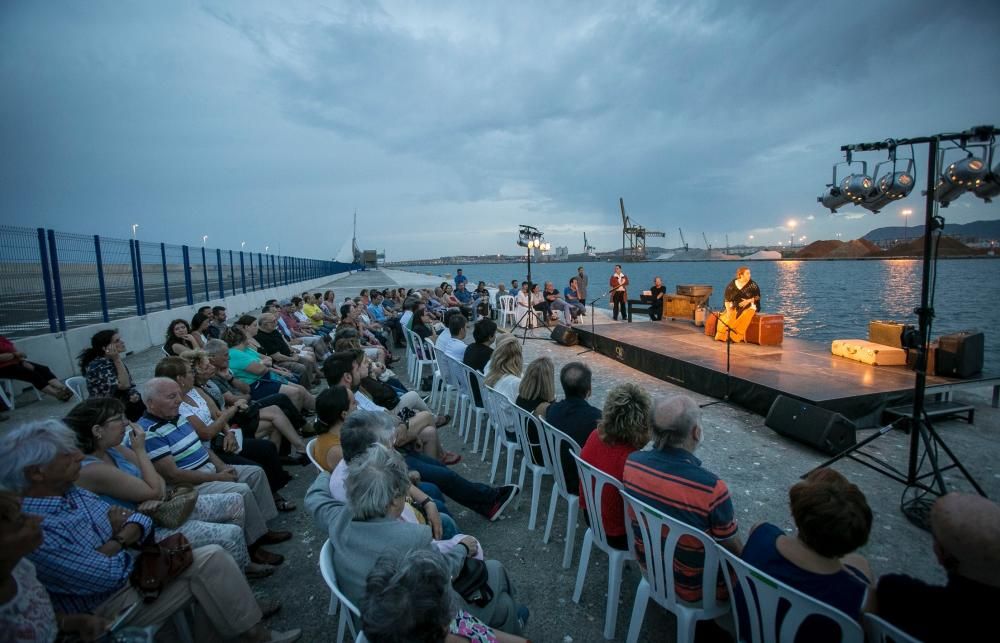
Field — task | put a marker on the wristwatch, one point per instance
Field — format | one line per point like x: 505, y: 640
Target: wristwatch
x: 423, y: 503
x: 121, y: 541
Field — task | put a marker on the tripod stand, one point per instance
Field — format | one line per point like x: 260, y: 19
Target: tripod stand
x: 729, y: 343
x: 593, y: 341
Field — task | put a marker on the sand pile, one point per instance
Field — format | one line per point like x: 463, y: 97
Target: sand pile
x: 856, y: 248
x: 947, y: 247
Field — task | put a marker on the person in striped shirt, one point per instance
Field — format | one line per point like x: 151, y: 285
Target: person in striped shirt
x: 671, y: 479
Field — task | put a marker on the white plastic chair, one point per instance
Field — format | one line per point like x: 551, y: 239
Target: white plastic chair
x: 658, y: 572
x: 310, y: 445
x: 552, y: 446
x: 538, y: 469
x: 760, y: 595
x: 504, y: 418
x: 418, y: 354
x: 480, y: 412
x: 595, y: 484
x: 473, y: 415
x: 879, y: 630
x: 8, y: 391
x: 455, y: 371
x: 506, y: 312
x: 448, y: 384
x: 348, y: 612
x: 78, y: 384
x: 438, y: 384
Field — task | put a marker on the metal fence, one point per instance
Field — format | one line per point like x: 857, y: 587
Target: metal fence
x: 51, y: 281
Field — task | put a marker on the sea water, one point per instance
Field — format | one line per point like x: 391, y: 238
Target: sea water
x: 820, y: 300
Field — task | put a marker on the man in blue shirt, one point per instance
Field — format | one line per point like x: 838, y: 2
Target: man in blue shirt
x: 574, y: 416
x: 460, y: 278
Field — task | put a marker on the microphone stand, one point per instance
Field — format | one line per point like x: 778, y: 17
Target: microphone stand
x: 593, y: 342
x: 729, y: 343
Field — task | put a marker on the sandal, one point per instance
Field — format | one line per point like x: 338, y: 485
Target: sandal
x: 284, y: 505
x: 441, y: 420
x: 449, y: 458
x: 65, y: 395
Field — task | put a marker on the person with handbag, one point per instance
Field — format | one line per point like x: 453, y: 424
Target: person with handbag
x: 124, y: 476
x: 85, y: 559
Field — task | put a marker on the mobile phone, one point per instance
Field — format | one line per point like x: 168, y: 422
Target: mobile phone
x: 122, y: 615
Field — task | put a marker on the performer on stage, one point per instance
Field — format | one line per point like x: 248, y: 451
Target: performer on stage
x: 742, y: 299
x: 619, y: 293
x: 656, y: 307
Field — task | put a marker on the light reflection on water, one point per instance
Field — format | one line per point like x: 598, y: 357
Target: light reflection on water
x: 821, y: 300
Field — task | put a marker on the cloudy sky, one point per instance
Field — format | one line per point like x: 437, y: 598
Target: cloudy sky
x: 447, y: 124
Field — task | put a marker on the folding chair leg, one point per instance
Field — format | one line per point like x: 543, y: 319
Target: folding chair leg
x: 552, y: 514
x: 536, y: 493
x: 497, y: 445
x: 614, y: 591
x: 581, y: 570
x: 639, y: 611
x: 574, y: 509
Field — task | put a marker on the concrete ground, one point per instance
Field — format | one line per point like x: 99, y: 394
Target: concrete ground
x: 758, y: 465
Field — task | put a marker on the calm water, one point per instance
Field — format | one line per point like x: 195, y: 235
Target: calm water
x: 821, y: 300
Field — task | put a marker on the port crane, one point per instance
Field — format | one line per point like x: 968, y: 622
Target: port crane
x: 635, y: 235
x: 588, y: 249
x: 708, y: 246
x: 683, y: 242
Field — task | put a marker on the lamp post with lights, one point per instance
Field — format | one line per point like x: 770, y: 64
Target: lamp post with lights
x: 906, y: 212
x: 791, y: 232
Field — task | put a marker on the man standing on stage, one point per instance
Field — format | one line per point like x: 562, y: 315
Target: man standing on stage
x: 619, y: 293
x: 742, y: 299
x: 581, y: 285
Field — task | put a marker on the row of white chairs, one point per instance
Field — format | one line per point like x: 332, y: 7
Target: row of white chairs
x: 9, y: 390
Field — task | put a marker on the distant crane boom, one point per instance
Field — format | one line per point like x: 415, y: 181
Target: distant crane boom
x: 683, y: 242
x: 635, y: 236
x: 708, y: 246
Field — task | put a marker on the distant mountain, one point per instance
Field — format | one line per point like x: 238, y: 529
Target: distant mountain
x: 976, y: 229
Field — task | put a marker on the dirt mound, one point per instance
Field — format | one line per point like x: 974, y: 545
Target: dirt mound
x: 818, y: 249
x: 947, y: 247
x: 856, y: 248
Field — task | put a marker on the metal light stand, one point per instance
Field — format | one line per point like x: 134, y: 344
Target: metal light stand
x: 922, y: 432
x: 529, y: 237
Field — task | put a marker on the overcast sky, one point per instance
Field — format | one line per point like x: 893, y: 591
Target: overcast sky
x: 445, y: 125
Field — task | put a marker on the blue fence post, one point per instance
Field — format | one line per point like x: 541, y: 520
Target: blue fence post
x: 204, y: 272
x: 187, y: 275
x: 142, y: 285
x: 43, y: 255
x: 100, y: 278
x: 273, y: 282
x: 243, y: 274
x: 260, y: 269
x: 218, y: 262
x: 232, y: 272
x: 166, y: 280
x: 135, y: 276
x: 56, y: 283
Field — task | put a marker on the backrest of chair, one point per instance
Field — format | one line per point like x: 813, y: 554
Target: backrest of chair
x: 552, y: 447
x: 330, y: 578
x: 310, y: 445
x: 480, y: 384
x: 595, y: 484
x: 761, y: 596
x: 78, y: 384
x: 500, y: 410
x: 879, y: 630
x: 524, y: 420
x: 507, y: 303
x: 648, y: 525
x: 430, y: 350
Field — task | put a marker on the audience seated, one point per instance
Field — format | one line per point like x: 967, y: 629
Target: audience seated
x: 260, y: 374
x: 200, y: 324
x: 574, y: 415
x: 179, y: 338
x: 478, y: 353
x: 289, y: 325
x: 387, y: 319
x: 366, y: 527
x: 315, y: 316
x: 83, y: 559
x: 454, y: 343
x: 966, y: 532
x: 178, y: 455
x: 107, y: 375
x: 332, y: 407
x: 423, y: 323
x: 274, y: 345
x: 217, y: 327
x: 622, y: 430
x: 832, y: 520
x: 504, y: 370
x: 670, y: 479
x: 14, y: 365
x: 535, y: 393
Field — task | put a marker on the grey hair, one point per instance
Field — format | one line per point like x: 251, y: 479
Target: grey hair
x: 32, y: 444
x: 374, y: 480
x: 408, y: 597
x: 216, y: 346
x: 382, y: 425
x: 674, y: 420
x: 152, y: 386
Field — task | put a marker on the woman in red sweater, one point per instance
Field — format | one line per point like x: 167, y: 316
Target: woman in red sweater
x: 624, y: 428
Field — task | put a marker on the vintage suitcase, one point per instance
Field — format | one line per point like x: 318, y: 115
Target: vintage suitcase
x: 866, y: 352
x: 766, y: 330
x: 696, y: 290
x: 711, y: 323
x: 911, y: 358
x: 679, y: 306
x: 888, y: 333
x: 960, y: 354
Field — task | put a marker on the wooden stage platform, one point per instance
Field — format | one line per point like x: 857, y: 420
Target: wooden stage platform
x: 681, y: 353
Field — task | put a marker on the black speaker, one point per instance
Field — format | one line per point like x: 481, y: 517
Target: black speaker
x: 828, y: 431
x: 565, y: 335
x: 960, y: 354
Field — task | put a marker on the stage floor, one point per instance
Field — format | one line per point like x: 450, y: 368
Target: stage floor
x: 681, y: 353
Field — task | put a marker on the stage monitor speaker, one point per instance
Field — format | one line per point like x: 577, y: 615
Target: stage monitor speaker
x: 565, y: 335
x: 827, y: 431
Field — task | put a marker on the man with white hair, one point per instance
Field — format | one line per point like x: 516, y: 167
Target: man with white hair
x: 671, y: 479
x: 180, y: 457
x: 86, y: 555
x: 966, y: 530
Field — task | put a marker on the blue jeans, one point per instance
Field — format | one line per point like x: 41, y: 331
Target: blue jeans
x: 474, y: 495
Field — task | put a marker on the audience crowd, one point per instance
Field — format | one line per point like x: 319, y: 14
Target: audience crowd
x: 199, y: 453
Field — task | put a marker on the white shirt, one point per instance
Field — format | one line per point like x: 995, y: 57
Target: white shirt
x: 453, y: 347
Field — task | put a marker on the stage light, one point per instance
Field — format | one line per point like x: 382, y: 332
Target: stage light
x: 959, y: 177
x: 990, y: 186
x: 857, y: 187
x: 892, y: 186
x: 833, y: 196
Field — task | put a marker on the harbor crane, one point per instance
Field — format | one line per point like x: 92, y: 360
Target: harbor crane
x: 708, y: 246
x: 683, y: 242
x: 635, y: 235
x: 587, y: 248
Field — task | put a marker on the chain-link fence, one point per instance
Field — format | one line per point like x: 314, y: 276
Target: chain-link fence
x: 51, y: 281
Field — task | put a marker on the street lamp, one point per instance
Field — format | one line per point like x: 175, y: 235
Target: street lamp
x: 135, y: 226
x: 266, y: 248
x: 204, y: 238
x: 791, y: 232
x: 243, y: 244
x: 906, y: 223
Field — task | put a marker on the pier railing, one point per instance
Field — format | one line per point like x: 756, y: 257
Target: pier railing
x: 52, y: 281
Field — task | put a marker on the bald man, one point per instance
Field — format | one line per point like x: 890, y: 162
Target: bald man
x: 966, y: 531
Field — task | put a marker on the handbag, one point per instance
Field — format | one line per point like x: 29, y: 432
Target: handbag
x: 472, y: 583
x: 159, y: 563
x: 177, y: 508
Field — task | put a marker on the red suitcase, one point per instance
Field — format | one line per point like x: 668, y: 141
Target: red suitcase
x: 766, y: 330
x: 711, y: 323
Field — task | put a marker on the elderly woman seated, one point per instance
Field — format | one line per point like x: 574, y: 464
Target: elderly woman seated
x: 369, y: 526
x: 408, y: 597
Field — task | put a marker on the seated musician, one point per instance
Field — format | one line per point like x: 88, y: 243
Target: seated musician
x: 742, y: 299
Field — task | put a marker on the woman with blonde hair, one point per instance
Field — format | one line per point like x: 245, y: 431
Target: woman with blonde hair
x: 538, y: 386
x: 623, y: 429
x: 504, y: 370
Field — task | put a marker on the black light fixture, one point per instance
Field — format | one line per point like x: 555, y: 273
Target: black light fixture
x: 959, y: 177
x: 833, y: 197
x: 990, y: 187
